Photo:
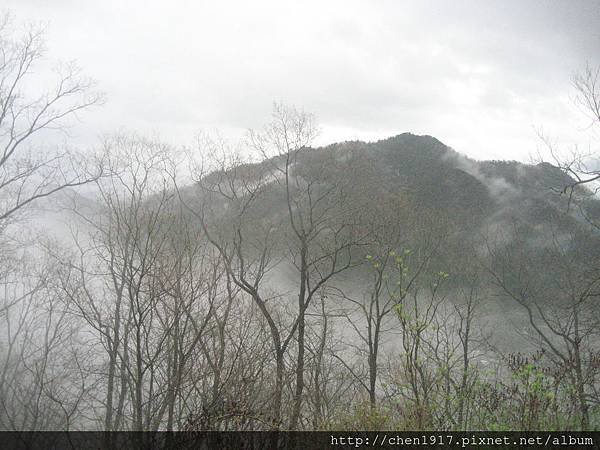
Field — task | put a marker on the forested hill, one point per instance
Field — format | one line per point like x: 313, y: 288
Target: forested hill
x: 442, y: 179
x: 431, y: 176
x: 407, y: 189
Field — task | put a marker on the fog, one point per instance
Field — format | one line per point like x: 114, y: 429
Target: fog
x: 266, y: 217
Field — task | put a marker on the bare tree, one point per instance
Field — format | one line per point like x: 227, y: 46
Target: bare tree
x: 233, y: 224
x: 28, y: 171
x: 38, y: 334
x: 323, y: 229
x: 390, y: 285
x: 581, y: 166
x: 315, y: 235
x: 557, y: 287
x: 44, y: 378
x: 330, y: 386
x: 110, y: 283
x: 467, y: 308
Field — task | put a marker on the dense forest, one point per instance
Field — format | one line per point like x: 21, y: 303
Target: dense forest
x: 276, y: 285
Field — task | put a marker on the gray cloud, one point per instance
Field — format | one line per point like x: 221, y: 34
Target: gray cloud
x: 479, y: 75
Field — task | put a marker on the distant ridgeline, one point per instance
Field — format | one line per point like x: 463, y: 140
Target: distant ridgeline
x: 479, y: 201
x: 438, y: 177
x: 473, y: 193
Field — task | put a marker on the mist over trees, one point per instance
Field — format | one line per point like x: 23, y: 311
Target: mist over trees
x: 276, y: 285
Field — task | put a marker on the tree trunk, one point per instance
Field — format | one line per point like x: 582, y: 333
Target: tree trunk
x: 277, y: 400
x: 301, y: 331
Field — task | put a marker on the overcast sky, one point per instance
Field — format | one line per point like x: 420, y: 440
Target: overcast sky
x: 480, y: 76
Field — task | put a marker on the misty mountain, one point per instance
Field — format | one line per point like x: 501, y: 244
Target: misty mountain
x: 429, y: 175
x: 440, y: 178
x: 485, y: 231
x: 424, y: 188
